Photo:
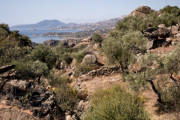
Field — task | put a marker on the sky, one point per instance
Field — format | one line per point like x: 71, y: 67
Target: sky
x: 15, y: 12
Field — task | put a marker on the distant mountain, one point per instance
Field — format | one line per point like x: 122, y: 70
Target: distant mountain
x: 45, y: 24
x: 58, y: 25
x: 102, y: 25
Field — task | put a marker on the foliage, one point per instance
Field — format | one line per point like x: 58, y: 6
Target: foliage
x: 45, y: 55
x: 79, y: 55
x: 64, y: 53
x: 67, y: 96
x: 174, y: 10
x: 115, y: 104
x: 85, y: 68
x: 30, y: 69
x: 96, y: 38
x: 7, y: 55
x: 121, y: 50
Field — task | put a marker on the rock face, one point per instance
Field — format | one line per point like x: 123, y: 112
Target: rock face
x: 8, y: 114
x: 89, y: 59
x: 28, y: 95
x: 157, y: 36
x: 51, y: 43
x: 141, y: 11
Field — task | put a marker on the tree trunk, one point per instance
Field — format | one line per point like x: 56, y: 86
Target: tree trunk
x: 156, y: 91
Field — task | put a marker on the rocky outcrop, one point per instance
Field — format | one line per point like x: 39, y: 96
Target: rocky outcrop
x: 28, y: 94
x: 141, y: 11
x: 8, y: 114
x: 157, y: 36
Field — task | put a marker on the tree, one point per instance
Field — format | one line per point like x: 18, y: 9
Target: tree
x: 122, y: 50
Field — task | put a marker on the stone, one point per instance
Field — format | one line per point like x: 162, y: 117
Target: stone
x: 141, y: 11
x: 161, y: 26
x: 175, y: 29
x: 149, y: 44
x: 89, y: 59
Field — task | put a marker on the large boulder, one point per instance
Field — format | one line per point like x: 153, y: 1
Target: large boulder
x: 89, y: 59
x: 157, y: 36
x: 141, y: 11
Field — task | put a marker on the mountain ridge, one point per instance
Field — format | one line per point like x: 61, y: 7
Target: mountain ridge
x: 59, y: 25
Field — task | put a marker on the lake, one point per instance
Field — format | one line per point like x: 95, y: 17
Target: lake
x: 36, y: 35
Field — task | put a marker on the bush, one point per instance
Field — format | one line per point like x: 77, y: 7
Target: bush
x: 115, y: 104
x: 67, y: 97
x: 83, y: 69
x: 29, y: 69
x: 174, y: 10
x: 79, y: 55
x: 96, y: 38
x: 64, y: 53
x: 9, y: 54
x: 122, y: 50
x: 170, y: 98
x: 44, y: 54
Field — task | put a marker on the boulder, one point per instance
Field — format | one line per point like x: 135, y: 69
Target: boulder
x: 141, y: 11
x: 174, y: 30
x: 89, y: 59
x: 157, y: 36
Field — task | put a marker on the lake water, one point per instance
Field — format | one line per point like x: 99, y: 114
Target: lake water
x: 36, y: 35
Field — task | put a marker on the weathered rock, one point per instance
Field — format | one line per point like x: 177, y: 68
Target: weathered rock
x: 141, y: 11
x: 28, y: 94
x: 157, y: 36
x: 8, y: 114
x: 6, y: 68
x: 175, y: 29
x: 89, y: 59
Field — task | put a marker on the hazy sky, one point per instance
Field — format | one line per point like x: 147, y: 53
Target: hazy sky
x: 31, y: 11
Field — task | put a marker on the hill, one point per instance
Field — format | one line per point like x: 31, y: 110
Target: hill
x: 58, y: 25
x: 45, y: 24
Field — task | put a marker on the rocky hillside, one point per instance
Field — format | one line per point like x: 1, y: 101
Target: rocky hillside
x: 132, y: 72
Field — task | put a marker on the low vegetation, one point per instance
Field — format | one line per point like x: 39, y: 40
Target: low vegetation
x: 115, y: 104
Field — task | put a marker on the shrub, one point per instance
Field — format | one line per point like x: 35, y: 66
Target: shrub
x: 64, y: 53
x: 29, y: 69
x: 9, y: 54
x: 170, y: 98
x: 96, y: 38
x: 79, y: 55
x: 174, y: 10
x: 115, y: 104
x: 85, y: 68
x: 67, y: 96
x: 44, y: 54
